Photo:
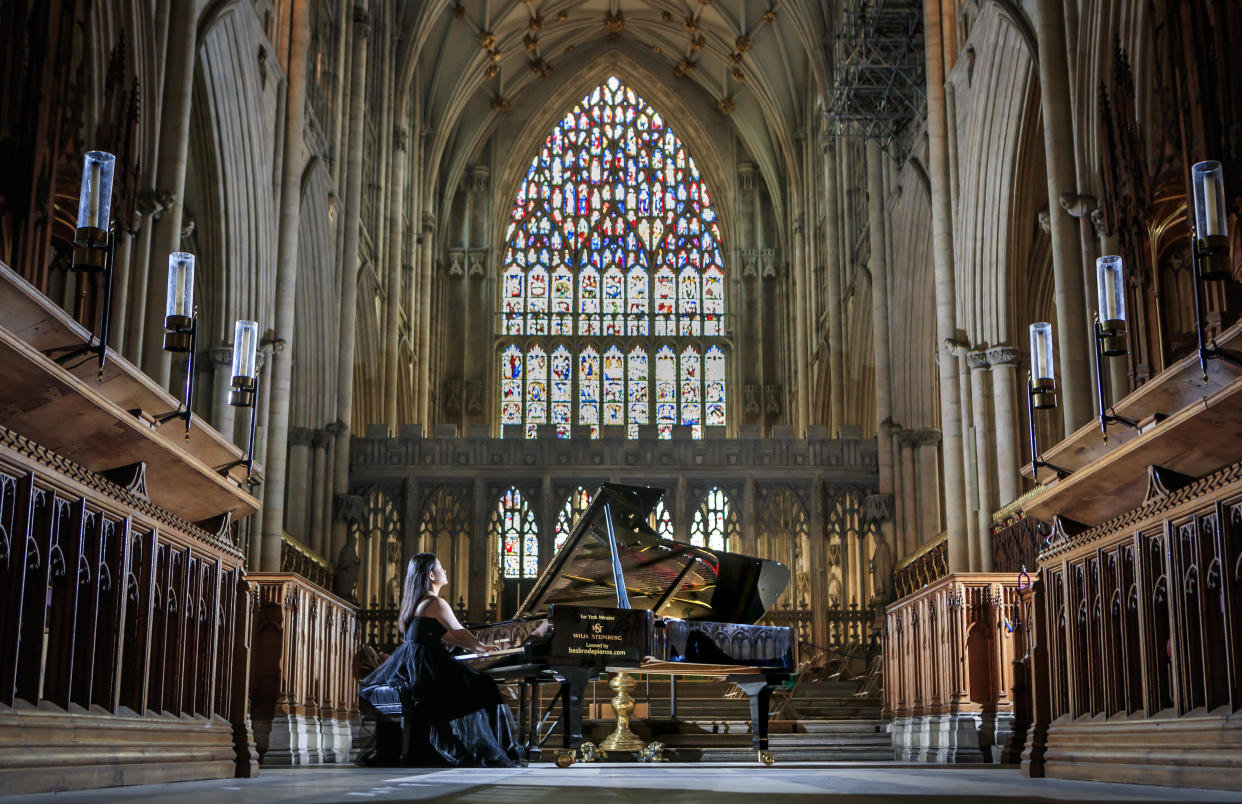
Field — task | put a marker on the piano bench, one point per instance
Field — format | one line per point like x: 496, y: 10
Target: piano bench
x: 397, y: 714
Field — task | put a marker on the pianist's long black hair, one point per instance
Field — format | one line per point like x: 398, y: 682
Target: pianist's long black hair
x: 417, y: 585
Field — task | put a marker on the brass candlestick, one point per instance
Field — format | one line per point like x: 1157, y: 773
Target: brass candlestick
x: 622, y: 739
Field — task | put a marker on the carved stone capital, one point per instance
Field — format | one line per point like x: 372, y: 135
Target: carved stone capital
x: 221, y: 355
x: 1002, y: 356
x: 300, y: 436
x: 362, y: 22
x: 977, y: 360
x: 320, y: 439
x: 478, y: 177
x: 925, y: 438
x: 747, y: 175
x: 456, y: 263
x: 878, y: 508
x: 400, y: 136
x: 429, y: 223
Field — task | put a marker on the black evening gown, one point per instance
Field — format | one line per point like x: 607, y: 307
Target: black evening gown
x: 460, y: 718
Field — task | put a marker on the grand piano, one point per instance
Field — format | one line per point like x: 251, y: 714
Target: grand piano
x: 619, y: 599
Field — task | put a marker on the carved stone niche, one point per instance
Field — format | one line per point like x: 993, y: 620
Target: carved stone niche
x: 750, y: 400
x: 452, y: 396
x: 772, y: 400
x: 474, y: 396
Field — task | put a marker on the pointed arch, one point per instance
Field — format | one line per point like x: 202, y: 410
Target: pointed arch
x: 444, y: 529
x: 515, y: 535
x: 716, y: 524
x: 575, y: 504
x: 612, y: 215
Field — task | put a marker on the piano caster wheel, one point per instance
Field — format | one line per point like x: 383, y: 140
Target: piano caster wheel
x: 766, y: 758
x: 565, y: 759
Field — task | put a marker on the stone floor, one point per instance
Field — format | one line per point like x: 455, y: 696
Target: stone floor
x: 727, y: 783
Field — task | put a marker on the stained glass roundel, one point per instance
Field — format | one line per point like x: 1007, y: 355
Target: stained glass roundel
x: 612, y: 261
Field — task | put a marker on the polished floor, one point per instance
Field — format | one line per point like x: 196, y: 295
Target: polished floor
x: 722, y: 783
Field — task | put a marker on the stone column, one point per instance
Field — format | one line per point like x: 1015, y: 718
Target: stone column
x: 909, y: 491
x: 223, y: 415
x: 946, y: 313
x: 174, y: 145
x: 899, y: 508
x: 820, y: 571
x: 349, y: 268
x: 279, y: 376
x: 297, y: 491
x: 1003, y: 360
x: 836, y: 337
x: 427, y: 272
x: 151, y: 206
x: 1072, y: 323
x: 927, y: 441
x: 321, y: 481
x: 879, y: 328
x: 981, y: 394
x: 971, y: 474
x: 392, y: 323
x: 797, y: 283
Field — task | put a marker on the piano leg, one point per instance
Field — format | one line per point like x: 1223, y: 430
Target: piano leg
x: 572, y: 690
x: 530, y: 699
x: 760, y: 694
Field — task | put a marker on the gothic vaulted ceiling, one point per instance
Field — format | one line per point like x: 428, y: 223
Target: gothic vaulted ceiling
x: 759, y: 65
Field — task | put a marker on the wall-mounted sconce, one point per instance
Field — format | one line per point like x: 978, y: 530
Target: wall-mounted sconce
x: 181, y: 330
x: 245, y: 384
x: 1041, y: 392
x: 1210, y: 245
x: 94, y: 245
x: 1110, y: 332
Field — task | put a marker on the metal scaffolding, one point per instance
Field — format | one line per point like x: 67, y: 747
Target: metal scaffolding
x: 877, y: 54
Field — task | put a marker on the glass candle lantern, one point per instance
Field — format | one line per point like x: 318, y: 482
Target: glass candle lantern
x: 95, y: 198
x: 1211, y: 221
x: 1043, y: 379
x: 179, y: 302
x: 1111, y: 293
x: 245, y: 349
x: 1209, y: 189
x: 94, y: 212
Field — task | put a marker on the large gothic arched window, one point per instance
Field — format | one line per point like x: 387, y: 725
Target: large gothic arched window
x: 517, y: 535
x: 612, y: 299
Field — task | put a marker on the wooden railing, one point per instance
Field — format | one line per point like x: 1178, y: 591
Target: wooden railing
x: 924, y: 567
x: 948, y: 658
x: 302, y: 686
x: 124, y: 639
x: 297, y: 557
x: 1016, y: 540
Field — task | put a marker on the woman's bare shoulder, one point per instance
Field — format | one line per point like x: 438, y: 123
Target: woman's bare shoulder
x: 430, y: 606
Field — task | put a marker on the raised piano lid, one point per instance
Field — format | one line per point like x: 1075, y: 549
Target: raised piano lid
x: 674, y: 579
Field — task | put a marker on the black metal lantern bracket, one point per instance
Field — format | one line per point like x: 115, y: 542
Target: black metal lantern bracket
x: 94, y: 250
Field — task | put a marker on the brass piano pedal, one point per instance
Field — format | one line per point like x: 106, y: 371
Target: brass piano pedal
x: 766, y: 758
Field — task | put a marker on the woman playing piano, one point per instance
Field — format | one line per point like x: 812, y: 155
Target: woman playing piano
x: 459, y: 715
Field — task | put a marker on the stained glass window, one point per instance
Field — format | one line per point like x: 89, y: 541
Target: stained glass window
x: 613, y: 236
x: 715, y: 522
x: 575, y: 504
x: 517, y: 535
x: 662, y: 521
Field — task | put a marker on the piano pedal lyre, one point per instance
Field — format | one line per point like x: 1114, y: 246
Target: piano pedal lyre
x: 766, y: 758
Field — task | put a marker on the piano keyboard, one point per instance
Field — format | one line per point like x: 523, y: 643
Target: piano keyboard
x: 461, y: 657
